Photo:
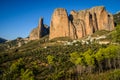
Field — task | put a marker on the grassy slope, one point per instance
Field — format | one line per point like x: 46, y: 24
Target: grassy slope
x: 34, y: 53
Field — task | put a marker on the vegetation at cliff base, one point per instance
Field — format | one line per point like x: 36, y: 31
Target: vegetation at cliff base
x: 62, y: 62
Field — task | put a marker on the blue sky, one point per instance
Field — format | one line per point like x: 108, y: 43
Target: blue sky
x: 19, y: 17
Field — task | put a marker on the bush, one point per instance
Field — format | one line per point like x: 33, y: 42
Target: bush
x: 27, y: 75
x: 115, y: 75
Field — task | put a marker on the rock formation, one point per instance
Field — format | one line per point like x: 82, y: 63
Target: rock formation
x: 80, y: 24
x: 104, y: 19
x: 40, y: 31
x: 59, y: 24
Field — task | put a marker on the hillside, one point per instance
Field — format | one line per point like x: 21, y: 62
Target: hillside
x: 2, y: 40
x: 117, y: 17
x: 12, y: 44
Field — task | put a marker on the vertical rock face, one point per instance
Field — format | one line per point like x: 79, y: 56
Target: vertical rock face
x: 40, y: 31
x: 59, y: 26
x: 81, y: 23
x: 104, y: 19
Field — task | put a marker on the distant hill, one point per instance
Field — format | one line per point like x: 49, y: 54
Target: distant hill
x: 12, y: 44
x: 117, y: 17
x: 2, y: 40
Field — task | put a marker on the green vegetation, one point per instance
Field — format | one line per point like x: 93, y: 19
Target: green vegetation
x: 117, y: 18
x: 114, y: 36
x: 50, y: 59
x: 27, y: 75
x: 61, y: 39
x: 99, y: 33
x: 61, y: 62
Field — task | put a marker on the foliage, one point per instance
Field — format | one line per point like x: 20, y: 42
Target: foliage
x: 60, y: 62
x: 89, y: 57
x: 61, y: 39
x: 27, y: 75
x: 50, y: 59
x: 100, y: 54
x: 115, y: 35
x: 14, y: 70
x: 15, y: 67
x: 117, y: 18
x: 115, y: 75
x: 99, y: 33
x: 75, y: 58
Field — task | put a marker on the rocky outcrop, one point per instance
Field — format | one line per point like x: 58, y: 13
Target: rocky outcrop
x: 104, y: 19
x: 80, y: 24
x: 59, y: 26
x: 40, y: 31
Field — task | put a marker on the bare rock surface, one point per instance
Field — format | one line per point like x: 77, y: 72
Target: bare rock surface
x: 80, y: 24
x: 40, y: 31
x: 59, y: 26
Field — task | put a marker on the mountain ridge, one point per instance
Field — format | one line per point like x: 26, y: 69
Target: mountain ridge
x: 2, y: 40
x: 76, y: 24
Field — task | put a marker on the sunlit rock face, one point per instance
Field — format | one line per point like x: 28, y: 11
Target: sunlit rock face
x: 80, y: 24
x: 59, y: 26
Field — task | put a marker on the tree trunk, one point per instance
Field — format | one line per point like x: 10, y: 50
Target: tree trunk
x: 109, y: 63
x: 100, y: 67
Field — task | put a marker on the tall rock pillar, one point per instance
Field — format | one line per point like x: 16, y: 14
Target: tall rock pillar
x: 37, y: 32
x: 59, y: 26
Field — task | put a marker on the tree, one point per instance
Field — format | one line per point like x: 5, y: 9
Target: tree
x: 106, y: 57
x: 50, y: 59
x: 100, y: 54
x: 89, y: 59
x: 116, y: 35
x: 112, y: 53
x: 76, y: 58
x: 27, y: 75
x: 100, y: 57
